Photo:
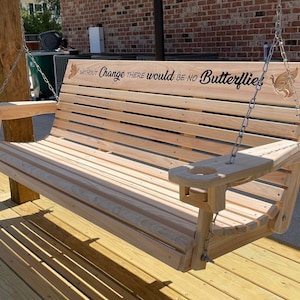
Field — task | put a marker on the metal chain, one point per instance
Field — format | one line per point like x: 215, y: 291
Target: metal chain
x: 288, y: 70
x: 27, y: 51
x: 277, y: 41
x: 46, y: 80
x: 9, y: 74
x: 34, y: 61
x: 204, y: 256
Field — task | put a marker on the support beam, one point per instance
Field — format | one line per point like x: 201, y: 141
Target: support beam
x: 159, y: 30
x: 11, y: 42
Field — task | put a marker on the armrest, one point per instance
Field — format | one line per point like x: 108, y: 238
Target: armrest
x: 24, y: 109
x: 215, y: 175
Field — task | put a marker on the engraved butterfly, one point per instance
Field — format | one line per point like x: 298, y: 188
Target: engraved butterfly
x: 282, y: 85
x: 73, y: 72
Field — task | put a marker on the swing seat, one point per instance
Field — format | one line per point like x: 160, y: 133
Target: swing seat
x: 142, y: 150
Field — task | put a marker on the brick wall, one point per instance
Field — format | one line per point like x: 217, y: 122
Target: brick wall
x: 233, y: 29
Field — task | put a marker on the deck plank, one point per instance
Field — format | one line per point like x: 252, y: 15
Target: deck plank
x: 13, y: 287
x: 270, y: 280
x: 47, y: 251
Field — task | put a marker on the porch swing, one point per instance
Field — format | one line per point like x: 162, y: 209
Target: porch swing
x: 118, y: 151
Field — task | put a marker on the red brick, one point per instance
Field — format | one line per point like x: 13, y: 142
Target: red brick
x: 209, y: 25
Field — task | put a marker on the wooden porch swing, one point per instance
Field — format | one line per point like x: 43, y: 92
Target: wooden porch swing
x: 140, y: 149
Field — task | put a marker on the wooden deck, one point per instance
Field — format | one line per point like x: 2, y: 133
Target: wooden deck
x: 47, y: 252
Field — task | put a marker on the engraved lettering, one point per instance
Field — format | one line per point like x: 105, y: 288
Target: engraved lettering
x: 161, y: 76
x: 116, y: 75
x: 246, y: 78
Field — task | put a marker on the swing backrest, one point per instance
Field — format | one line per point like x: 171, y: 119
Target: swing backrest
x: 166, y: 114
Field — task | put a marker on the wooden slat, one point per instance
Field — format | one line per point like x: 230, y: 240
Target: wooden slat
x: 201, y: 116
x: 163, y: 108
x: 174, y: 87
x: 24, y: 109
x: 118, y: 160
x: 113, y: 139
x: 12, y: 286
x: 253, y: 203
x: 69, y: 92
x: 130, y: 183
x: 144, y: 134
x: 131, y: 259
x: 272, y: 281
x: 154, y: 159
x: 108, y: 199
x: 259, y: 189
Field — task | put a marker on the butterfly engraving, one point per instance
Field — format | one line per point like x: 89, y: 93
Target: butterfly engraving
x: 74, y: 71
x: 283, y: 85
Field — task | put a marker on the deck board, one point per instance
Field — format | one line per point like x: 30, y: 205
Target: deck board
x: 12, y: 286
x: 47, y: 252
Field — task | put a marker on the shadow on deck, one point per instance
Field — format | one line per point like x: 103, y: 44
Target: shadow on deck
x: 47, y: 252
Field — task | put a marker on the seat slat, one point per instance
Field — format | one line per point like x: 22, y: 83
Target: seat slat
x: 127, y: 179
x: 127, y: 184
x: 254, y: 204
x: 238, y: 209
x: 106, y: 156
x: 103, y: 198
x: 259, y: 189
x: 249, y: 213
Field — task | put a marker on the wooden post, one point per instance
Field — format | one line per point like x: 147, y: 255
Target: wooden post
x: 159, y: 30
x: 11, y: 42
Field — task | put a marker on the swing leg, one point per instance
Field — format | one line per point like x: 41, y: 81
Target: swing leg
x: 20, y: 193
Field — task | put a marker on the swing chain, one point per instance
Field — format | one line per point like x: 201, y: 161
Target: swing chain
x: 9, y: 74
x: 27, y: 51
x: 34, y: 61
x: 204, y: 256
x: 290, y: 79
x: 277, y: 42
x: 41, y: 72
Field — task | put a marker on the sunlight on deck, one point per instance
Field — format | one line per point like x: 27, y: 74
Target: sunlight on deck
x: 47, y: 252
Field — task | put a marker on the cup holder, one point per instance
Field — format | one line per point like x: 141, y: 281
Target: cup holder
x: 203, y: 171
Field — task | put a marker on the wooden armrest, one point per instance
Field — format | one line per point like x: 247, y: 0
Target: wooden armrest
x: 217, y: 174
x: 249, y: 165
x: 24, y: 109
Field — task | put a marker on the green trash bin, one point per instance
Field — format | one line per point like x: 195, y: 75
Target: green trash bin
x: 45, y: 60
